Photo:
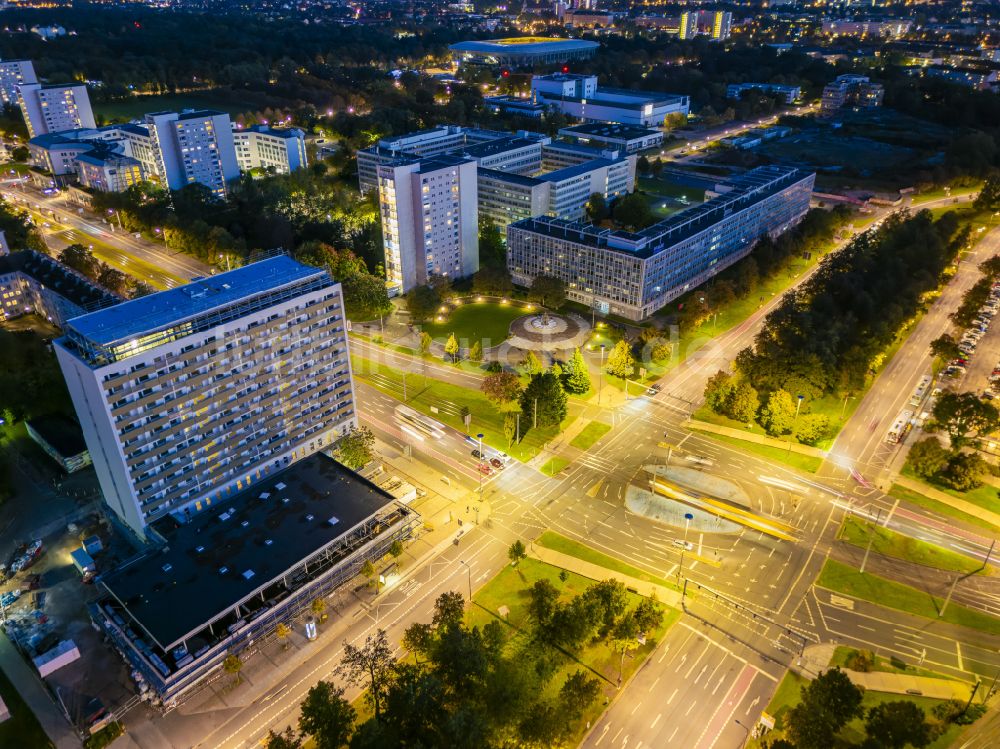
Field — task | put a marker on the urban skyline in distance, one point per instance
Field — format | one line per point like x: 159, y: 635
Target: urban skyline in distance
x: 583, y: 373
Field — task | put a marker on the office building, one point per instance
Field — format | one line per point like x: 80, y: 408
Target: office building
x: 522, y: 51
x: 194, y: 147
x: 54, y: 108
x: 104, y: 170
x: 430, y: 224
x: 13, y: 75
x: 851, y: 90
x: 609, y: 135
x: 579, y: 96
x: 190, y: 395
x: 634, y: 274
x: 278, y: 150
x: 33, y: 283
x: 790, y: 94
x: 222, y: 580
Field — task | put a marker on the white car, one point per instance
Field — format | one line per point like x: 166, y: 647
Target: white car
x: 686, y: 545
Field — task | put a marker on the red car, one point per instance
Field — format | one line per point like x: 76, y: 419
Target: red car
x: 485, y: 469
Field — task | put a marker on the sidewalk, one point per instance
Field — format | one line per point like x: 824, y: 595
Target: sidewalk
x: 666, y: 596
x: 28, y: 685
x: 959, y: 504
x: 759, y: 439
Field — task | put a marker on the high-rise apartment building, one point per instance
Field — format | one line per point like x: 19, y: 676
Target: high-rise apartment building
x: 13, y: 74
x: 633, y: 274
x: 190, y: 395
x: 194, y: 147
x: 54, y: 108
x: 715, y: 23
x: 722, y: 20
x: 282, y: 150
x: 429, y: 219
x: 688, y: 27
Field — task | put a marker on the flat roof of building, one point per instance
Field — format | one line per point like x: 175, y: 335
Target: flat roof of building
x: 610, y: 130
x: 221, y: 557
x: 528, y: 45
x: 61, y: 433
x: 509, y: 177
x: 166, y: 308
x: 492, y: 147
x: 575, y: 170
x: 78, y: 289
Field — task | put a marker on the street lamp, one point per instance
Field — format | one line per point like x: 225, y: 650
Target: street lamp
x: 798, y: 405
x: 467, y: 567
x: 482, y: 462
x: 747, y: 737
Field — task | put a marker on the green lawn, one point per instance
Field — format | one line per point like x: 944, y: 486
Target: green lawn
x: 940, y: 508
x: 807, y: 463
x: 789, y: 694
x: 487, y: 322
x: 842, y: 578
x: 590, y: 434
x: 554, y: 465
x: 137, y: 106
x: 557, y: 542
x: 23, y: 728
x: 986, y: 496
x: 509, y: 588
x: 663, y: 187
x: 424, y: 393
x: 900, y: 546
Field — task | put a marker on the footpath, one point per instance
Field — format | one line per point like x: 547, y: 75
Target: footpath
x: 965, y: 506
x: 816, y: 659
x: 666, y: 596
x: 757, y: 439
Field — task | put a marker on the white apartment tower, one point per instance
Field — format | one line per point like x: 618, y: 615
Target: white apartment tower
x: 191, y: 395
x: 13, y: 74
x: 194, y: 146
x: 429, y: 219
x: 55, y: 108
x: 282, y: 150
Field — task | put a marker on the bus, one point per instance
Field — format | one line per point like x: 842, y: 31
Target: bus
x: 416, y: 424
x: 900, y: 428
x: 921, y: 391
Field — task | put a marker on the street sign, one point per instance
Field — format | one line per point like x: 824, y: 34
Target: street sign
x: 767, y: 720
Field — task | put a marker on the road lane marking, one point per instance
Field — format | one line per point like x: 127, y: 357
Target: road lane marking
x: 656, y: 720
x: 671, y: 698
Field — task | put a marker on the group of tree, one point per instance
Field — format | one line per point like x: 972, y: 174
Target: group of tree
x: 356, y: 448
x: 829, y: 334
x: 831, y: 701
x: 18, y: 230
x: 464, y: 687
x: 973, y: 299
x: 734, y: 396
x: 964, y: 418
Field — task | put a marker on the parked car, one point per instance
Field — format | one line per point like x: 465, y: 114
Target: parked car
x: 477, y: 455
x: 496, y: 463
x: 654, y: 389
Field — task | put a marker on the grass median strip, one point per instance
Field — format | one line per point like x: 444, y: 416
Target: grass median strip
x: 569, y: 547
x: 807, y: 463
x: 590, y: 434
x: 940, y: 508
x: 842, y: 578
x: 900, y: 546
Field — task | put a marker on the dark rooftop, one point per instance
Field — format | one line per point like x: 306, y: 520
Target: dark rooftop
x: 610, y: 130
x: 241, y: 545
x: 57, y: 277
x: 61, y: 433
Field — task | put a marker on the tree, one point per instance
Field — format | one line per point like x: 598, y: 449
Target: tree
x: 369, y: 572
x: 648, y: 615
x: 719, y: 391
x: 597, y: 208
x: 418, y: 638
x: 633, y: 211
x: 576, y: 376
x: 493, y: 281
x: 897, y: 724
x: 284, y: 740
x: 548, y: 291
x: 449, y: 609
x: 451, y: 348
x: 318, y: 607
x: 357, y: 447
x: 828, y: 702
x: 988, y: 198
x: 963, y: 416
x: 532, y: 365
x: 422, y: 302
x: 945, y: 347
x: 965, y: 472
x: 777, y: 416
x: 396, y: 549
x: 233, y: 665
x: 545, y: 399
x: 516, y: 552
x: 743, y: 402
x: 80, y: 259
x: 642, y: 165
x: 492, y: 249
x: 927, y: 457
x: 624, y: 637
x: 621, y: 363
x: 327, y: 716
x: 542, y: 598
x: 282, y: 631
x: 369, y: 667
x: 476, y: 352
x: 577, y: 693
x: 113, y: 279
x: 425, y: 343
x: 811, y: 428
x: 366, y: 297
x: 501, y: 388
